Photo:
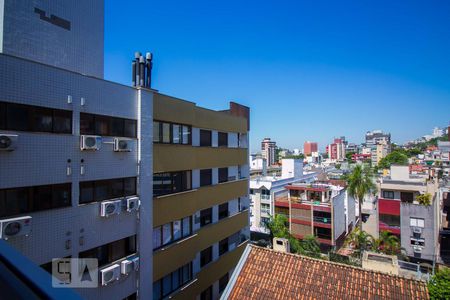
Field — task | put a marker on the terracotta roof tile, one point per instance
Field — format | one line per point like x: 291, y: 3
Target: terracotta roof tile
x: 267, y: 274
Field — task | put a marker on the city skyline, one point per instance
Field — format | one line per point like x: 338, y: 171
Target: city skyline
x: 301, y: 67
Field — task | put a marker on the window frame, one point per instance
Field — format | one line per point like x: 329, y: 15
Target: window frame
x: 206, y: 256
x: 96, y: 184
x: 97, y: 120
x: 181, y: 133
x: 223, y: 210
x: 206, y: 214
x: 206, y: 181
x: 181, y: 281
x: 223, y: 174
x: 167, y: 189
x: 172, y: 232
x: 205, y: 134
x: 389, y: 193
x: 222, y: 139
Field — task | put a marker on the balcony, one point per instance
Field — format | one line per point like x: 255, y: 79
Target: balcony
x: 322, y: 220
x: 176, y: 206
x: 168, y: 157
x: 171, y: 257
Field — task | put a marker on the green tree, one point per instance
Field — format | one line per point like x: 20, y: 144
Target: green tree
x: 360, y: 241
x: 439, y: 285
x: 360, y: 183
x: 424, y: 199
x: 278, y: 227
x: 348, y: 155
x: 388, y: 244
x: 300, y: 156
x: 309, y: 246
x: 396, y: 157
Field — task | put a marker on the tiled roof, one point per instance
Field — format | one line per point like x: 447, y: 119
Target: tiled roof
x: 266, y: 274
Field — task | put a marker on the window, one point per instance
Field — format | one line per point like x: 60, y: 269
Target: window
x: 206, y: 294
x: 171, y: 133
x: 171, y: 282
x: 111, y: 252
x: 223, y: 281
x: 223, y: 175
x: 205, y: 138
x: 322, y: 233
x: 223, y: 139
x: 169, y: 183
x: 37, y: 198
x: 388, y: 194
x: 99, y: 190
x: 171, y: 232
x: 252, y: 191
x: 417, y: 222
x: 223, y: 210
x: 390, y: 220
x: 107, y: 125
x: 407, y: 197
x: 22, y: 117
x: 205, y: 217
x: 205, y: 177
x: 205, y: 256
x: 223, y: 246
x: 265, y: 208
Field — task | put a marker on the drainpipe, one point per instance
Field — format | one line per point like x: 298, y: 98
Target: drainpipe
x: 290, y: 218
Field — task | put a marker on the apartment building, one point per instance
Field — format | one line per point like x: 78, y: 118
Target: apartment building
x: 268, y: 148
x: 264, y: 189
x: 336, y: 150
x: 78, y: 177
x: 400, y: 212
x: 309, y: 148
x: 375, y: 136
x: 73, y: 147
x: 200, y: 204
x: 323, y: 210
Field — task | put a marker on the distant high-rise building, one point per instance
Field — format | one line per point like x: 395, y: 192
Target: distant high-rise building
x: 268, y: 148
x: 376, y: 136
x: 309, y: 147
x: 336, y: 150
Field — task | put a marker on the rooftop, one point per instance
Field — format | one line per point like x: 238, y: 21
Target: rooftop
x: 266, y: 274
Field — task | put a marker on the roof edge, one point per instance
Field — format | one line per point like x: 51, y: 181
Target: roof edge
x: 226, y: 293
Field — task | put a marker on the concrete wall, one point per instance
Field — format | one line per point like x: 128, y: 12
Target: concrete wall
x: 339, y: 219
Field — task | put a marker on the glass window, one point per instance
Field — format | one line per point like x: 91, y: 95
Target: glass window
x: 186, y: 226
x: 223, y: 139
x: 17, y: 117
x: 102, y: 190
x: 102, y: 125
x: 157, y: 290
x: 206, y: 256
x: 205, y: 217
x: 390, y: 220
x: 87, y: 124
x: 2, y: 115
x: 167, y: 284
x: 130, y: 186
x: 205, y: 177
x: 62, y: 195
x: 42, y: 119
x: 17, y: 201
x: 417, y: 222
x: 110, y: 252
x: 223, y: 281
x: 117, y: 127
x: 62, y: 121
x: 162, y: 184
x: 186, y: 273
x: 42, y: 197
x: 156, y: 132
x: 116, y: 188
x: 205, y: 138
x: 157, y: 237
x: 167, y: 233
x: 186, y: 134
x: 86, y: 192
x: 223, y: 246
x: 176, y: 133
x: 177, y: 229
x: 223, y: 175
x: 388, y: 194
x: 407, y: 197
x: 223, y: 210
x: 165, y: 132
x: 175, y: 280
x: 130, y: 128
x: 206, y: 294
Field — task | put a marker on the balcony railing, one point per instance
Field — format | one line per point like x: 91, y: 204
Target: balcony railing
x: 265, y: 197
x: 322, y: 220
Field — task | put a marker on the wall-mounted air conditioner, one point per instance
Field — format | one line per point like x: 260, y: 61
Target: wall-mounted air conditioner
x: 110, y: 274
x: 135, y: 261
x: 90, y: 142
x: 122, y: 145
x: 10, y: 228
x: 133, y: 203
x: 108, y: 208
x: 126, y: 266
x: 417, y: 230
x: 8, y: 142
x: 417, y: 249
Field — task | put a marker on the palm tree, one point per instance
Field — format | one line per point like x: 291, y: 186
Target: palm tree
x: 360, y: 241
x: 388, y: 243
x: 360, y: 183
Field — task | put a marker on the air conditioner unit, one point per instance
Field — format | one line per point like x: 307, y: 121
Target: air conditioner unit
x: 110, y: 274
x: 135, y: 261
x: 133, y: 203
x: 417, y: 230
x: 90, y: 142
x: 122, y: 145
x: 108, y: 208
x: 126, y: 266
x: 417, y: 249
x: 15, y: 227
x: 8, y: 142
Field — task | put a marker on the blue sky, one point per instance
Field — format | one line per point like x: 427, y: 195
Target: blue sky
x: 309, y: 70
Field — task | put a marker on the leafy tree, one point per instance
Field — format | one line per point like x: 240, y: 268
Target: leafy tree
x: 360, y: 183
x: 338, y: 166
x: 424, y: 199
x: 300, y: 156
x: 393, y: 158
x: 360, y: 241
x: 348, y: 155
x: 310, y: 246
x: 439, y: 285
x: 388, y: 244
